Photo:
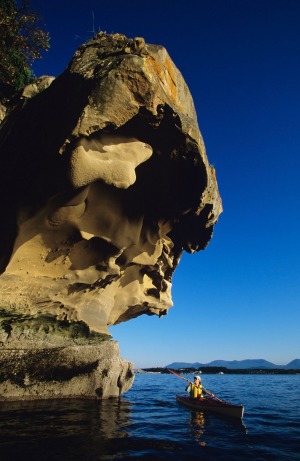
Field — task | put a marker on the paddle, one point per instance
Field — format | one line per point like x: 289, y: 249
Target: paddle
x: 185, y: 379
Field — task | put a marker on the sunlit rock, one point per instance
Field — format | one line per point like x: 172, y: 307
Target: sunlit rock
x: 104, y: 183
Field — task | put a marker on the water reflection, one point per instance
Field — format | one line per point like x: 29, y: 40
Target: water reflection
x: 63, y: 429
x: 202, y: 424
x: 198, y: 427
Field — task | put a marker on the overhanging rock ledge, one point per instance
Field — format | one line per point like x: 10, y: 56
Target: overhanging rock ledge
x: 104, y: 183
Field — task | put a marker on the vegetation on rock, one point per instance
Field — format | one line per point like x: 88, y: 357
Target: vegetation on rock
x: 22, y: 40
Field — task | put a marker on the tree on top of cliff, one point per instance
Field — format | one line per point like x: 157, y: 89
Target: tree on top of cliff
x: 21, y: 42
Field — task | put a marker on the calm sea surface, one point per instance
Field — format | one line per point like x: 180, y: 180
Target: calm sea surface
x: 147, y: 423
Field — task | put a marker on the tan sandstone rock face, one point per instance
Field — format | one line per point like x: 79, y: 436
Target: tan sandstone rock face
x: 104, y: 183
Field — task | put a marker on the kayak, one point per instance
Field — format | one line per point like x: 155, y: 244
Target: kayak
x: 214, y: 405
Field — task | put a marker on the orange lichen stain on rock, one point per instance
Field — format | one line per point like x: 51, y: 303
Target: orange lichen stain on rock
x: 164, y: 69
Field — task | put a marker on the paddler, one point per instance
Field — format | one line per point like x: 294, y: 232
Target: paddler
x: 195, y: 389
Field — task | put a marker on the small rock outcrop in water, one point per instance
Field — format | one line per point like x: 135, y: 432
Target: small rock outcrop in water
x: 62, y: 372
x: 104, y: 183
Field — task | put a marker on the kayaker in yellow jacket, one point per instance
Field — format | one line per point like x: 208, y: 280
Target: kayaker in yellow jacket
x: 196, y: 389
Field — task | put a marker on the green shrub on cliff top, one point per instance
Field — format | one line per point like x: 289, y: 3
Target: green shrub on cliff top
x: 21, y: 42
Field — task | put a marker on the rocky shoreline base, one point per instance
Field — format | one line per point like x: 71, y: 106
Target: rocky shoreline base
x: 88, y: 371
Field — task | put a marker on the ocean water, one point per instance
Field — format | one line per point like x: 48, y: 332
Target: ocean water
x: 147, y: 423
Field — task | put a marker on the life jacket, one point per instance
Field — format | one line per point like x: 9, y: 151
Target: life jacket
x: 196, y: 391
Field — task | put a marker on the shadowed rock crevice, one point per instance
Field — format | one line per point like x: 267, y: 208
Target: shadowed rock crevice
x: 178, y: 175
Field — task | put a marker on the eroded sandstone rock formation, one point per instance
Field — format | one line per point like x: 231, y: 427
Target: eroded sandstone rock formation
x: 104, y: 183
x: 64, y: 372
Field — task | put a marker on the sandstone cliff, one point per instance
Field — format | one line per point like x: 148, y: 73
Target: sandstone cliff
x: 104, y: 183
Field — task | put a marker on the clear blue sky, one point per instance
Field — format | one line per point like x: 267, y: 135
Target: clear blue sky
x: 240, y: 297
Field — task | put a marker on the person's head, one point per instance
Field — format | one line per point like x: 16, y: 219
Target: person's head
x: 197, y: 379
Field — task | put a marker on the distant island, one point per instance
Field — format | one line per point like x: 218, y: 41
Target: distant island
x: 238, y: 364
x: 249, y: 366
